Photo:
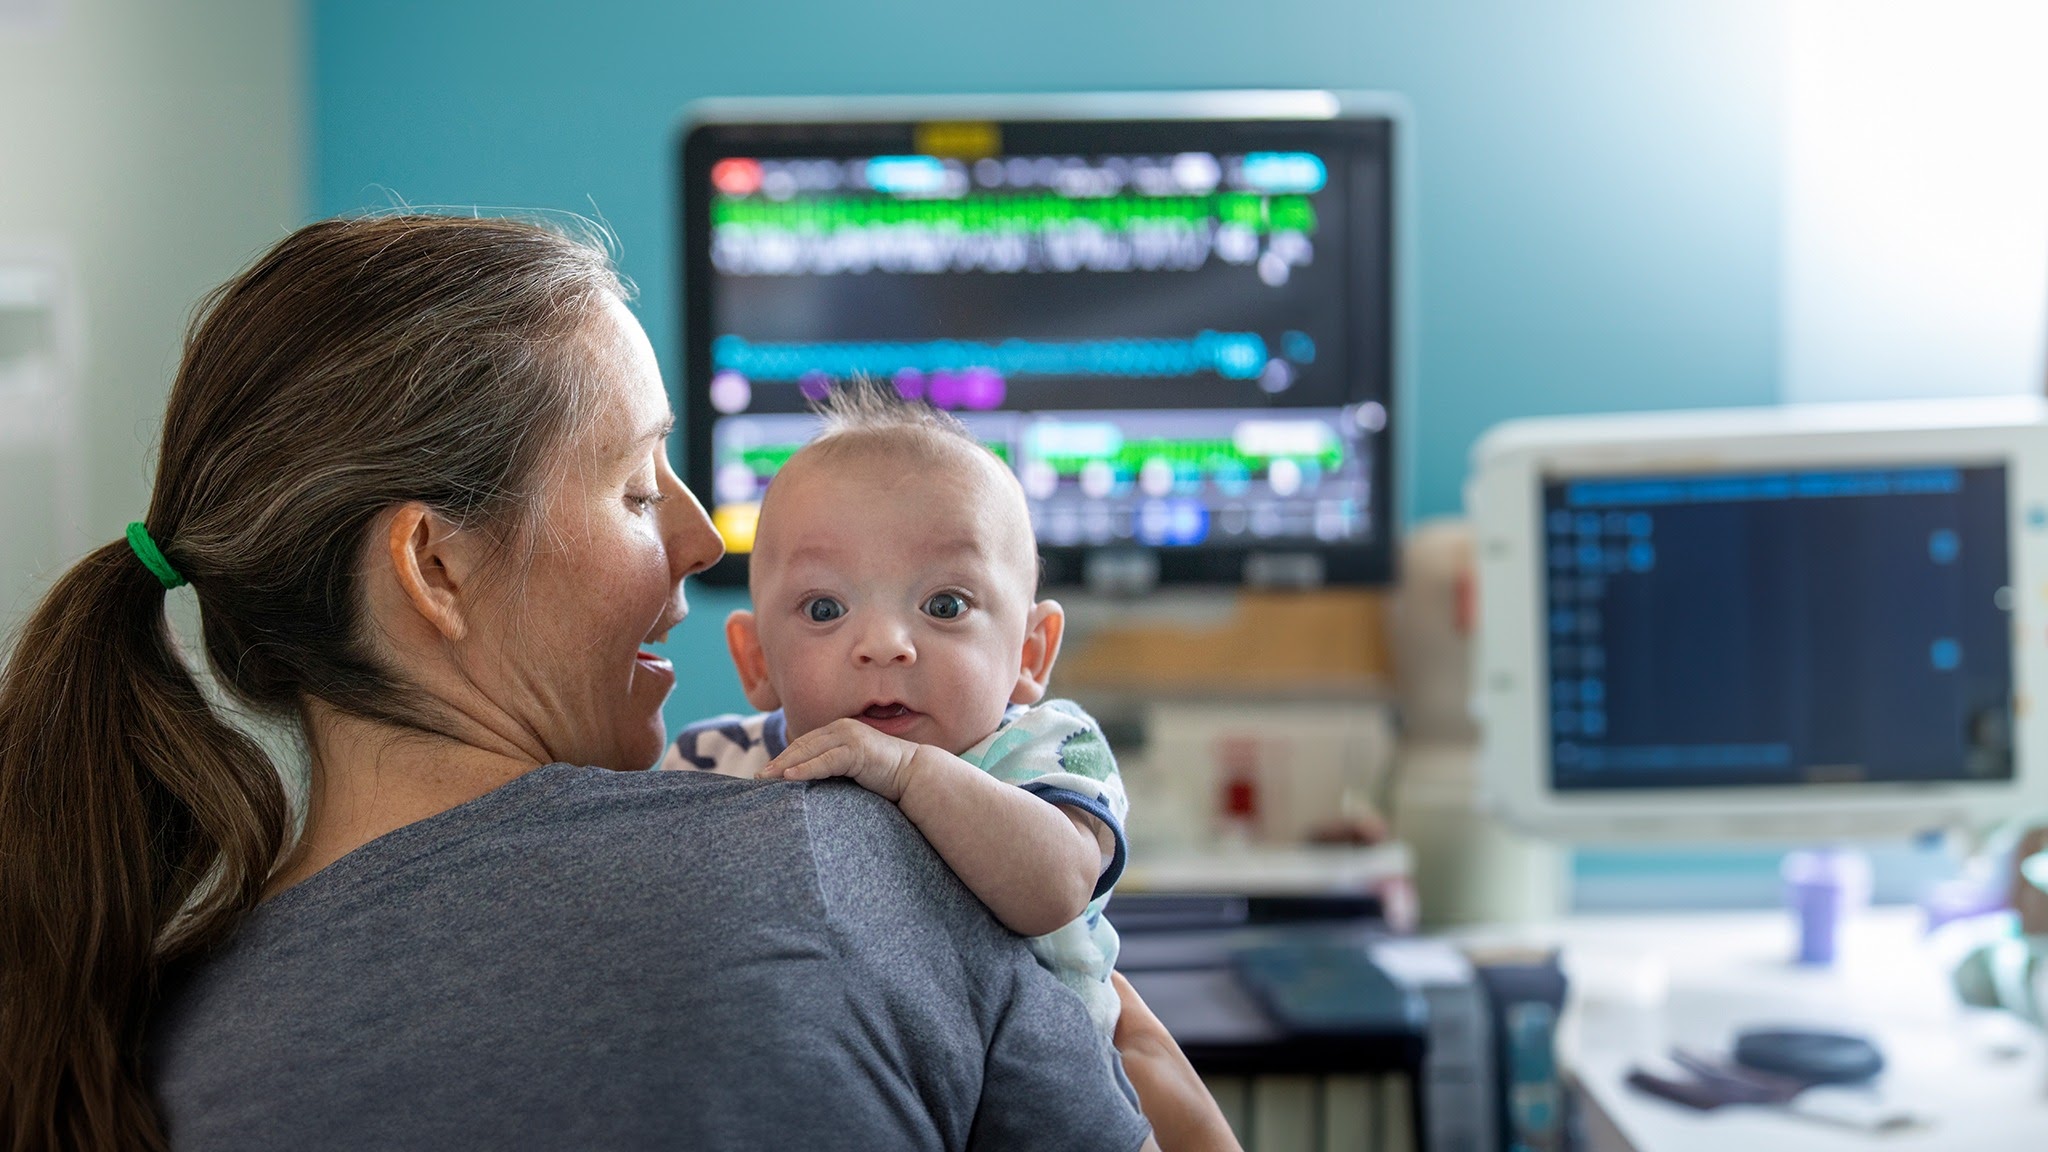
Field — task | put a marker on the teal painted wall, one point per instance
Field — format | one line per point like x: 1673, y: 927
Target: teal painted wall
x: 1597, y: 198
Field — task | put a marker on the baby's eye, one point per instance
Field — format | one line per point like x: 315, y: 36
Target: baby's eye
x: 824, y: 609
x: 945, y: 605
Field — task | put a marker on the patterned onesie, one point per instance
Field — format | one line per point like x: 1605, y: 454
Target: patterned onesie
x: 1054, y: 750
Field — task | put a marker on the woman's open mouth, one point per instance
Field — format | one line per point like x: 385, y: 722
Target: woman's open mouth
x: 658, y: 666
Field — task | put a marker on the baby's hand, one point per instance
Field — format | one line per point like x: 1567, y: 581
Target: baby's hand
x: 878, y: 762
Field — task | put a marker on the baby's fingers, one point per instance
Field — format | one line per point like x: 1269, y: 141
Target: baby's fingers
x: 835, y: 761
x: 799, y: 750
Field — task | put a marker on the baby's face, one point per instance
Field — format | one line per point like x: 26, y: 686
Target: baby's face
x: 896, y: 589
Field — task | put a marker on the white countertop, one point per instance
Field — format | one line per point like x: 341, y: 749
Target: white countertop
x: 1641, y: 984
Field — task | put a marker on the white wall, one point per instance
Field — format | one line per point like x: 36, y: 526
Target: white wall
x: 1915, y: 198
x: 151, y: 149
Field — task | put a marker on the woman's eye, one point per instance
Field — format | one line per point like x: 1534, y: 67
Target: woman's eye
x: 945, y: 606
x: 824, y: 610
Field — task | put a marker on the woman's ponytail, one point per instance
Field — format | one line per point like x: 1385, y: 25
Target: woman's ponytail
x: 135, y: 827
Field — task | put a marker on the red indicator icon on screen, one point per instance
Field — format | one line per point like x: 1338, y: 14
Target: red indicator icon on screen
x: 736, y: 177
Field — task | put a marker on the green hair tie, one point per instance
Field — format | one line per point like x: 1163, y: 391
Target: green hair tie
x: 152, y: 557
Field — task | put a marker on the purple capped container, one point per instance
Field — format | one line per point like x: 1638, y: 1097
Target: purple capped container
x: 1823, y: 887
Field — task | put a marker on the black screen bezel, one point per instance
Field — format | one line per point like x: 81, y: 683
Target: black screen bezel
x: 1371, y: 274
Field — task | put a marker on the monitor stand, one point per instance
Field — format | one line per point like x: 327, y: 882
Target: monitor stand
x: 1283, y: 570
x: 1121, y: 572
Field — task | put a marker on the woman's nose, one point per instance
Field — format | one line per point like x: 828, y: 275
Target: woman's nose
x: 693, y: 544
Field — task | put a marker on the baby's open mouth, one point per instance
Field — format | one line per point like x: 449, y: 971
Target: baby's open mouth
x: 891, y: 719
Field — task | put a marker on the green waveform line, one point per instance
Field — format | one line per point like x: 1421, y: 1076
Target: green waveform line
x: 768, y: 459
x: 826, y: 214
x: 1202, y: 456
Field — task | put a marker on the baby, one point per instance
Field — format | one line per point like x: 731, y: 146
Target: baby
x: 895, y: 639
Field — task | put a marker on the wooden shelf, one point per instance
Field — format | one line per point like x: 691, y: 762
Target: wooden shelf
x: 1323, y: 643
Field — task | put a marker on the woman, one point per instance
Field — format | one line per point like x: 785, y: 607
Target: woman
x: 413, y: 469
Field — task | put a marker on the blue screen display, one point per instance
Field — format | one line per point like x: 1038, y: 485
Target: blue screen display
x: 1778, y: 628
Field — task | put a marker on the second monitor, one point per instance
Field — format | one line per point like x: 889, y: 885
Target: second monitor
x: 1173, y: 316
x: 1794, y: 623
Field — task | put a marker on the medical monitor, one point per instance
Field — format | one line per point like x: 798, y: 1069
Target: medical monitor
x: 1794, y: 623
x: 1173, y: 315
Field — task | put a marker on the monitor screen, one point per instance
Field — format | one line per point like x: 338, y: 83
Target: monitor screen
x: 1178, y: 333
x: 1831, y: 626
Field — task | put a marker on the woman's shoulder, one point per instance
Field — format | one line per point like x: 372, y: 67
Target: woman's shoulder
x: 621, y: 849
x: 615, y: 846
x: 654, y: 925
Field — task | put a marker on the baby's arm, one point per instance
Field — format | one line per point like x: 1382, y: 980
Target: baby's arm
x: 1033, y: 863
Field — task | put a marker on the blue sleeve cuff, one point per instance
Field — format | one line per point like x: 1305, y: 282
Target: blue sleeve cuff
x: 688, y: 746
x: 1068, y: 798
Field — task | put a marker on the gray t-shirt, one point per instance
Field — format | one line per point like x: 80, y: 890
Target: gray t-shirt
x: 590, y: 959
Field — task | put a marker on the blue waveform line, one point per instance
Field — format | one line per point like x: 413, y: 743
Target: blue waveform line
x: 1232, y: 355
x: 1770, y: 486
x: 1643, y: 757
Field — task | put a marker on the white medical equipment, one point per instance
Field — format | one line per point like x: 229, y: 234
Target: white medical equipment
x: 1791, y: 623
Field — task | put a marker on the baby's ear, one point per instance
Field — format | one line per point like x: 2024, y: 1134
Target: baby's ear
x: 1042, y: 631
x: 743, y: 638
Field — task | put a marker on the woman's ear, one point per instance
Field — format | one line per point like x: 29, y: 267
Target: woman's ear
x: 743, y: 637
x: 1042, y: 631
x: 432, y: 567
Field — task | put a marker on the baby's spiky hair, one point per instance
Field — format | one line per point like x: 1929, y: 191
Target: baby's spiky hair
x: 864, y: 413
